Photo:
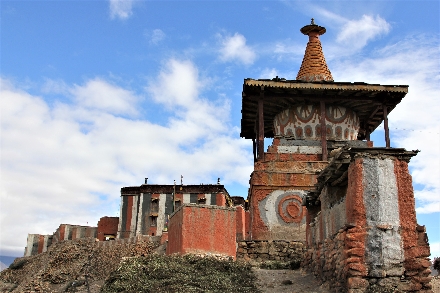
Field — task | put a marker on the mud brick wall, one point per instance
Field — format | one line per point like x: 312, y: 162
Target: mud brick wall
x: 107, y: 226
x: 277, y: 187
x: 276, y: 250
x: 364, y: 235
x: 202, y: 229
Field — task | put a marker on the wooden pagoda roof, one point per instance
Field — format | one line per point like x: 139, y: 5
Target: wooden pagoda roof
x: 279, y: 94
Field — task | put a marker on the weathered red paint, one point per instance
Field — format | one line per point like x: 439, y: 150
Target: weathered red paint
x: 74, y: 232
x: 107, y: 226
x: 415, y: 244
x: 240, y: 223
x: 62, y: 230
x: 355, y: 209
x: 40, y: 243
x: 202, y: 229
x: 247, y: 225
x: 220, y: 200
x: 164, y: 237
x: 129, y: 213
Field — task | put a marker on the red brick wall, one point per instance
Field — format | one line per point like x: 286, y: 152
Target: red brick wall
x: 107, y: 226
x: 202, y: 229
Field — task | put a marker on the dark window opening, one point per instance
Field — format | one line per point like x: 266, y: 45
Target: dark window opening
x: 155, y: 205
x: 109, y: 237
x: 177, y: 204
x: 202, y: 200
x: 153, y: 222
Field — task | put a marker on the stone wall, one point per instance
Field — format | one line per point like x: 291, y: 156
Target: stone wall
x: 259, y: 251
x: 362, y: 231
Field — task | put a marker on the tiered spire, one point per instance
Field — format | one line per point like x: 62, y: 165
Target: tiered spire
x: 314, y: 67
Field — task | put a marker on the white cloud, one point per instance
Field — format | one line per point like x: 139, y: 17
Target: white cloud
x: 121, y: 9
x: 269, y: 73
x: 435, y: 249
x: 157, y: 36
x: 235, y: 49
x: 352, y: 34
x: 55, y: 172
x: 99, y: 94
x: 177, y: 84
x: 357, y: 33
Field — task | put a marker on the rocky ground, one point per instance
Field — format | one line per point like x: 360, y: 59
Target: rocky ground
x: 288, y: 281
x: 82, y: 266
x: 298, y: 281
x: 68, y: 266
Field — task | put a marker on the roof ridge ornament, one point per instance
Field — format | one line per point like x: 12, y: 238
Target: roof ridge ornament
x: 314, y: 66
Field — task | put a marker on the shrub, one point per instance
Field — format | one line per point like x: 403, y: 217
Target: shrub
x: 18, y: 264
x: 436, y: 264
x: 188, y: 273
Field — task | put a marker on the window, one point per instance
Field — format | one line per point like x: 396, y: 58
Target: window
x: 153, y: 221
x: 154, y: 205
x: 177, y: 204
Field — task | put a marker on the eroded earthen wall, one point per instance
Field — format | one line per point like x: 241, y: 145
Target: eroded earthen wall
x: 278, y: 184
x: 202, y: 229
x: 367, y: 236
x: 107, y: 226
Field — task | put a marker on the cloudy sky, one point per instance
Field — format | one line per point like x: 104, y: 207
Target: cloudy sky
x: 98, y: 95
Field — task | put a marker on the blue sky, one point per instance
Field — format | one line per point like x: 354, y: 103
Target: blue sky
x: 97, y: 95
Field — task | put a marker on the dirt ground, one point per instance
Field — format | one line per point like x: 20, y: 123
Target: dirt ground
x: 291, y: 281
x: 297, y: 281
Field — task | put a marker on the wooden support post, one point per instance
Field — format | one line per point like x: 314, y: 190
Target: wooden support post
x: 323, y: 132
x: 261, y: 125
x: 385, y: 125
x: 254, y: 149
x: 367, y: 130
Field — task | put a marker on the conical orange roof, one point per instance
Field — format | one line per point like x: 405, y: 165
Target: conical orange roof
x: 314, y: 67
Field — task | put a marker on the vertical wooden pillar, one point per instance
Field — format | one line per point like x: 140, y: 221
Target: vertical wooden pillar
x: 385, y: 125
x: 261, y: 125
x: 254, y: 149
x: 323, y: 132
x: 367, y: 133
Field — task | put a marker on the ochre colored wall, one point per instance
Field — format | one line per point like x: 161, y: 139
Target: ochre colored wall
x: 203, y: 229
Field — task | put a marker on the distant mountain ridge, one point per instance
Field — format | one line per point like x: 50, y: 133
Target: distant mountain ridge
x: 6, y: 260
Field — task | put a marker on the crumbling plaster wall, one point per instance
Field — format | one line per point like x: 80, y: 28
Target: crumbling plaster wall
x: 365, y: 234
x: 203, y: 229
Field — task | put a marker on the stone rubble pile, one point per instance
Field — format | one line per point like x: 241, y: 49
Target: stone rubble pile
x: 70, y: 262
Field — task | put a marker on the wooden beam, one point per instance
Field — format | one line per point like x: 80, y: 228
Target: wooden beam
x: 385, y: 125
x: 254, y: 149
x: 323, y: 132
x: 340, y: 179
x: 261, y: 124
